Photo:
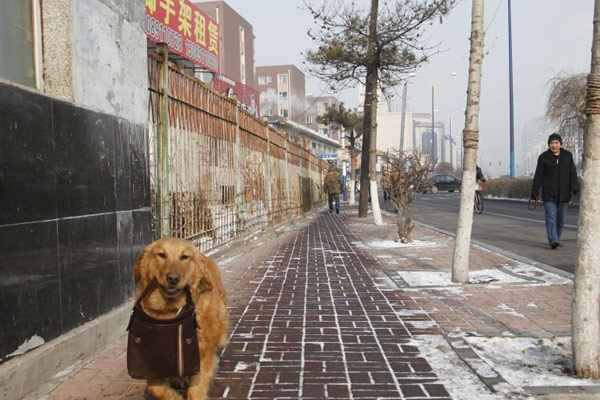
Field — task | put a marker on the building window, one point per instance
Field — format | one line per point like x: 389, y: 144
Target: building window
x: 19, y: 30
x: 322, y: 106
x: 314, y: 145
x: 282, y: 78
x: 283, y: 95
x: 324, y: 131
x: 264, y: 80
x: 309, y: 119
x: 283, y: 112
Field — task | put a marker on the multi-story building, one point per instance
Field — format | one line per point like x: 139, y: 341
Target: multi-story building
x: 317, y: 143
x: 236, y: 41
x: 317, y: 106
x: 282, y: 91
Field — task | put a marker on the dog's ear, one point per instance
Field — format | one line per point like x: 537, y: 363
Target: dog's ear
x: 140, y: 265
x: 201, y: 281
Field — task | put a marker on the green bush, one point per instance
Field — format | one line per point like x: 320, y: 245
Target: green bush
x: 518, y: 188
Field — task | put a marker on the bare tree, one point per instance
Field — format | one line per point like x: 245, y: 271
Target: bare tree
x: 444, y: 168
x: 460, y: 261
x: 351, y: 122
x: 586, y: 295
x: 407, y: 171
x: 375, y: 48
x: 565, y: 107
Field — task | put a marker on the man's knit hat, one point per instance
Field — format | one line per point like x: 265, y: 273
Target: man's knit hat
x: 554, y: 136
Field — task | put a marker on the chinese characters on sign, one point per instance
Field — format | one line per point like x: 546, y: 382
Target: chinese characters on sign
x: 185, y: 29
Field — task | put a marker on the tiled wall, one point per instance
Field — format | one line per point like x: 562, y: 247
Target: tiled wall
x: 74, y: 215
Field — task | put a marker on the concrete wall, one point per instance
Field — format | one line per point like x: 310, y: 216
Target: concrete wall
x: 95, y: 55
x: 74, y: 189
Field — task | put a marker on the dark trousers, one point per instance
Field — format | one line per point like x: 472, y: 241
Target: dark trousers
x: 555, y: 219
x: 335, y: 197
x: 386, y: 195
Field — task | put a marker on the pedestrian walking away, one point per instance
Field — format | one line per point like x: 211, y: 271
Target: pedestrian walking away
x: 333, y: 187
x: 556, y: 175
x: 384, y: 182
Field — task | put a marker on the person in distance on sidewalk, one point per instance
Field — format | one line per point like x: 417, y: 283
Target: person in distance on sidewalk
x: 557, y: 176
x: 333, y: 185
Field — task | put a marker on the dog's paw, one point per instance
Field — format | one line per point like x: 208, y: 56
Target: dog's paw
x: 179, y: 383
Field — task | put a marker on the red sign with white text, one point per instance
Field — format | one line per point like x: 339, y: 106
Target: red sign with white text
x: 185, y: 29
x: 248, y: 98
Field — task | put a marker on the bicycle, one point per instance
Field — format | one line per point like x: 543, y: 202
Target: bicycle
x: 478, y: 208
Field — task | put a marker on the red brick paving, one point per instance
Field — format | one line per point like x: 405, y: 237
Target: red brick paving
x: 308, y: 322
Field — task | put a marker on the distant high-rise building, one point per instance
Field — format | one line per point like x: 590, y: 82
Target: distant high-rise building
x: 282, y: 92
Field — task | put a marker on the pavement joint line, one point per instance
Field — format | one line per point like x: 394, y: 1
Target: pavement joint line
x: 487, y: 381
x: 503, y: 252
x: 339, y: 224
x: 337, y: 320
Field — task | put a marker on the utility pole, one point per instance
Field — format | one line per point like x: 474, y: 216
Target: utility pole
x: 512, y: 107
x: 403, y: 116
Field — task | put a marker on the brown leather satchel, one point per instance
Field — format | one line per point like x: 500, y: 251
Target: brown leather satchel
x: 162, y: 348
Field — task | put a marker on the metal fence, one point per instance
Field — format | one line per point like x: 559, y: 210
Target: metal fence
x: 217, y: 172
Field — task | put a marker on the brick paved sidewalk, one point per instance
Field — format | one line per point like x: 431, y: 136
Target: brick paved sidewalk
x: 318, y: 312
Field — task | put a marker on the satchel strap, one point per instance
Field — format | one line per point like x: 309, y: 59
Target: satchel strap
x: 152, y: 285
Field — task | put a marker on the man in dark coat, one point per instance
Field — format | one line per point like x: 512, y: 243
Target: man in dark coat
x: 333, y: 186
x: 556, y: 174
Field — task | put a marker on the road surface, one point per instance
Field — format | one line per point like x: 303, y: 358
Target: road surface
x: 506, y: 224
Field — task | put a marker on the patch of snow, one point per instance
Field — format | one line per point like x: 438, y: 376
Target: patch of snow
x: 422, y: 324
x: 453, y: 373
x: 509, y: 310
x: 390, y: 244
x: 28, y: 344
x: 532, y: 304
x: 67, y: 371
x: 530, y: 361
x: 537, y: 273
x: 241, y: 366
x: 407, y: 313
x: 444, y: 278
x: 228, y: 261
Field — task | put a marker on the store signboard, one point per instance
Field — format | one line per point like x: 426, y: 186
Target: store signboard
x: 187, y: 31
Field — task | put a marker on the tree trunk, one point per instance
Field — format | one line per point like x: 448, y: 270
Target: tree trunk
x: 373, y: 158
x: 363, y: 198
x: 586, y: 294
x: 370, y: 123
x: 460, y: 261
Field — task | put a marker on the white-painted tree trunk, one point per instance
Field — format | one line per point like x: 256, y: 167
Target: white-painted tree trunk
x: 375, y: 204
x: 460, y: 260
x: 586, y: 294
x: 352, y: 200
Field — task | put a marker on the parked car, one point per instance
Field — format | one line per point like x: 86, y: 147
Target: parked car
x: 440, y: 182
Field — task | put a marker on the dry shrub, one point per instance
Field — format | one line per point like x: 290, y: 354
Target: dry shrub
x: 518, y: 188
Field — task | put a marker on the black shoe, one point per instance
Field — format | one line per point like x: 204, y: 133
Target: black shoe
x: 337, y: 210
x: 554, y: 245
x: 560, y: 244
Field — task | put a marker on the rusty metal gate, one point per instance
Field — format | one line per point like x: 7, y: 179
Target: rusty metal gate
x: 217, y: 172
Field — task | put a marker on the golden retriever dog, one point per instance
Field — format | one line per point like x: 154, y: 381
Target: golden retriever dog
x: 176, y: 263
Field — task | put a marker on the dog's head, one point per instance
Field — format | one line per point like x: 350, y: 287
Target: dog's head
x: 175, y: 263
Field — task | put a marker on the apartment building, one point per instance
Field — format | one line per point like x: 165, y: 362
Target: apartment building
x: 282, y: 91
x: 316, y: 106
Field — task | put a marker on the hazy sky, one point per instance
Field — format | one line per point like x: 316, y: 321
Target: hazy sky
x: 549, y: 36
